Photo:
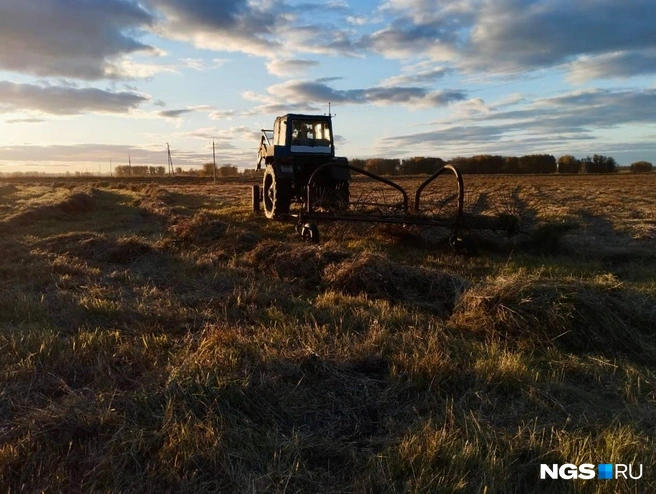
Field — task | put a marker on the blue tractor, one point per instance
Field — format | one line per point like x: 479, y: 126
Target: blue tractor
x: 290, y: 154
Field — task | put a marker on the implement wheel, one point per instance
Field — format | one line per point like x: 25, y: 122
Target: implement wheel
x: 276, y: 195
x: 255, y: 199
x: 310, y: 233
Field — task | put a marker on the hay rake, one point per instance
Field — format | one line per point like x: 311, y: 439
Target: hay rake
x: 448, y: 212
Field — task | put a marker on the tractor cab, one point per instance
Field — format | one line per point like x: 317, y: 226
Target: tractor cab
x: 300, y: 135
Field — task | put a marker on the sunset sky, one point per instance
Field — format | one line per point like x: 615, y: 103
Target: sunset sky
x: 86, y: 81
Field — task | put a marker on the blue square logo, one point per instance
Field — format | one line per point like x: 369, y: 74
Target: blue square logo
x: 605, y: 471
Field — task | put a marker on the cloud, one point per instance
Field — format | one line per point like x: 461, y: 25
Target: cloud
x: 129, y: 69
x: 193, y: 63
x: 422, y: 73
x: 297, y: 91
x: 405, y: 38
x: 83, y: 40
x: 214, y: 114
x: 602, y: 38
x: 175, y: 113
x: 357, y: 20
x: 540, y: 34
x: 551, y: 125
x: 222, y: 114
x: 201, y: 65
x: 278, y: 109
x: 61, y: 100
x: 289, y: 67
x: 238, y: 25
x: 25, y: 120
x: 616, y: 65
x: 267, y: 28
x: 430, y: 28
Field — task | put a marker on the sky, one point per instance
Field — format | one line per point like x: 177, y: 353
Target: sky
x: 83, y: 82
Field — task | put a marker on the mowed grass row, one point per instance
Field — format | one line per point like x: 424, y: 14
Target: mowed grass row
x: 164, y: 339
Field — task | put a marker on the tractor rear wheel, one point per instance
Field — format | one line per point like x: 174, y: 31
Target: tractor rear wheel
x: 276, y: 194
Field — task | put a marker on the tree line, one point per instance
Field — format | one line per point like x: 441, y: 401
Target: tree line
x: 139, y: 171
x: 206, y: 170
x: 492, y: 164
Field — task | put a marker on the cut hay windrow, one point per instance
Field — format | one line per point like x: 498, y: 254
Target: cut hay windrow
x: 7, y: 189
x: 291, y: 262
x: 198, y: 230
x: 73, y: 205
x: 97, y: 247
x: 379, y: 278
x: 575, y: 316
x: 368, y: 274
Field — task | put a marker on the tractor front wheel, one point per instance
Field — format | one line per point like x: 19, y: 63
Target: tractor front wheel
x: 276, y: 195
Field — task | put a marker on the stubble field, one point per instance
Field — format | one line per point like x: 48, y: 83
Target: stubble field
x: 159, y: 337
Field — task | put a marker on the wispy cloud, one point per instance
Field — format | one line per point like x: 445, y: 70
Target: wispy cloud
x: 289, y: 67
x: 25, y: 120
x: 318, y: 92
x: 58, y: 100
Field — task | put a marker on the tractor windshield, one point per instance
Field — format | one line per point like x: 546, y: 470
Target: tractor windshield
x: 311, y: 136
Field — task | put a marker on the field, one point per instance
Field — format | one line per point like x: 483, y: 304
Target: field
x: 159, y: 337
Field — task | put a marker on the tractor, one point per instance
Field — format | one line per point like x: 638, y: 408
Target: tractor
x: 290, y: 153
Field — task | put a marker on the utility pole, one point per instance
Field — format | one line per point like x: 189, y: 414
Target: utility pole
x: 110, y: 167
x: 129, y: 165
x: 168, y: 151
x: 213, y: 161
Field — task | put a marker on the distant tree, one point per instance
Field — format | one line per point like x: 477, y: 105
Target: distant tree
x: 568, y: 164
x: 641, y: 167
x: 357, y: 162
x: 122, y: 171
x: 178, y: 170
x: 537, y: 163
x: 482, y: 163
x: 599, y: 164
x: 461, y: 163
x: 419, y: 165
x: 252, y: 173
x: 209, y: 169
x: 227, y: 171
x: 511, y: 165
x: 383, y: 166
x: 139, y: 170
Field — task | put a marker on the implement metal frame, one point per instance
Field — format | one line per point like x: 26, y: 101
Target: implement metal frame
x: 407, y: 216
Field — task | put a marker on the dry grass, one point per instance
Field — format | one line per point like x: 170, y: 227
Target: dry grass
x: 376, y: 277
x: 160, y: 338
